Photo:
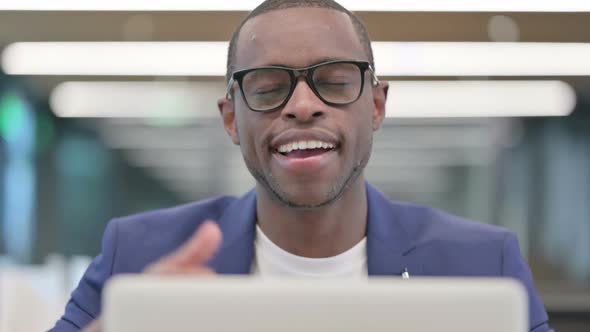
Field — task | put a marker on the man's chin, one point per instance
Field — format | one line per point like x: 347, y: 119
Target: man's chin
x: 307, y: 197
x: 300, y: 193
x: 305, y: 204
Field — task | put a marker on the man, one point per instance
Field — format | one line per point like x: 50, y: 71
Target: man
x: 302, y: 103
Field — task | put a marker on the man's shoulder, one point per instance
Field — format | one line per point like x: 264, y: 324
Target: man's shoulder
x: 421, y: 224
x: 452, y: 245
x: 176, y: 217
x: 427, y: 222
x: 144, y: 237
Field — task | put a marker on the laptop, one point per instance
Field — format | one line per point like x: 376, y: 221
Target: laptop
x: 250, y: 304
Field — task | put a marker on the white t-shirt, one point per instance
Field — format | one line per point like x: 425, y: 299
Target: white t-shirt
x: 272, y: 261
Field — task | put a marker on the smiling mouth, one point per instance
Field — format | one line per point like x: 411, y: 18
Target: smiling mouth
x: 305, y: 149
x: 300, y: 154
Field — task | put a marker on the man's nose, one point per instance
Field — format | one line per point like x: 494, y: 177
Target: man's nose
x: 304, y: 105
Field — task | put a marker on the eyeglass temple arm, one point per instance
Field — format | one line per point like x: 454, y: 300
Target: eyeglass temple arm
x: 375, y: 79
x: 228, y: 89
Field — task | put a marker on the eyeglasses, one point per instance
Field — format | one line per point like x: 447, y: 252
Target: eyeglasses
x: 336, y: 83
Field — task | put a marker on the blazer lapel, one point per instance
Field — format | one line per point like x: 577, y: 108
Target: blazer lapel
x: 389, y: 245
x: 238, y: 228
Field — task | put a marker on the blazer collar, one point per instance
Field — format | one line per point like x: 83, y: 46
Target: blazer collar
x: 238, y: 225
x: 388, y: 243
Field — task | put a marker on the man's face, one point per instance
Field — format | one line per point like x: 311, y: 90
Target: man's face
x: 301, y: 37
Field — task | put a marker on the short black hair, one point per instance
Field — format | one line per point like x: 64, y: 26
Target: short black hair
x: 271, y: 5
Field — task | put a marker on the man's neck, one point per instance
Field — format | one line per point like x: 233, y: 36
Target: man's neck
x: 321, y: 232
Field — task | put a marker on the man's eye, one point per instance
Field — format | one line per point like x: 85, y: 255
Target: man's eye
x: 333, y: 83
x: 333, y: 86
x: 269, y: 90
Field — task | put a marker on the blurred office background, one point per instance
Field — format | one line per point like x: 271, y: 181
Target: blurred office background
x: 111, y: 110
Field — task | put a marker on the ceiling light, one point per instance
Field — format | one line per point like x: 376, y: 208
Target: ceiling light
x: 209, y: 58
x: 136, y: 99
x: 407, y: 99
x: 481, y: 59
x: 116, y: 58
x: 431, y: 99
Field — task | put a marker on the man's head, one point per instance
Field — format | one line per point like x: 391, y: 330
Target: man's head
x: 298, y: 34
x: 271, y: 5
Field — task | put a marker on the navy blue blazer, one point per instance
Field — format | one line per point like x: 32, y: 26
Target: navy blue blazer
x: 399, y: 235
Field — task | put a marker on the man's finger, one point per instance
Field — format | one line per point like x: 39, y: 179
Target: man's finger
x: 94, y: 326
x: 199, y: 248
x: 161, y: 269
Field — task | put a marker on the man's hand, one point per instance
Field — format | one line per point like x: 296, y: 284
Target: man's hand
x: 192, y: 256
x: 94, y: 326
x: 190, y: 259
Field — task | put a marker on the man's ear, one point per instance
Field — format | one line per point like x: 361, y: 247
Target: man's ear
x: 228, y: 114
x: 379, y: 100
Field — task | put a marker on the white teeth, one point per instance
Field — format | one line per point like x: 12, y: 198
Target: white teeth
x: 304, y: 145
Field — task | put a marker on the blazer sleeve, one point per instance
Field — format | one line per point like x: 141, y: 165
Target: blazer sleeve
x: 514, y: 265
x: 85, y: 301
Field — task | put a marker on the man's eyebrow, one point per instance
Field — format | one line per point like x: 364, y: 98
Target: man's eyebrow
x: 316, y: 62
x: 328, y: 59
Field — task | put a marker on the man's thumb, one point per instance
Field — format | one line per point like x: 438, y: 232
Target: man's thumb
x: 200, y: 247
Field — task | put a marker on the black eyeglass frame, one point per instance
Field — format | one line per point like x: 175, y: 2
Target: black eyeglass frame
x: 307, y: 72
